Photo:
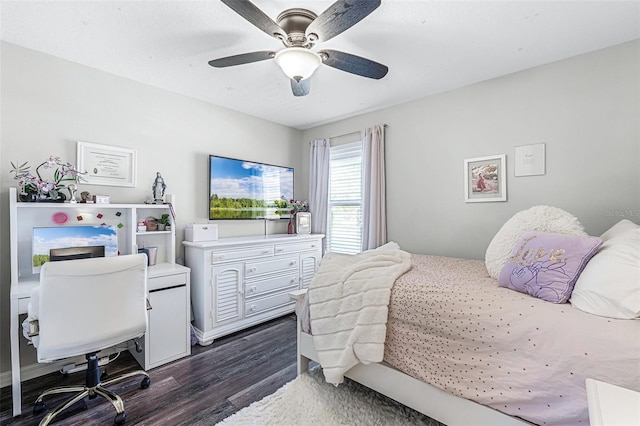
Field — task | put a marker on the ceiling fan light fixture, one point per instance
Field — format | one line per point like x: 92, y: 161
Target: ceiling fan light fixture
x: 298, y: 63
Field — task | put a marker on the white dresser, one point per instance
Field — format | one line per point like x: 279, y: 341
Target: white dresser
x: 240, y: 282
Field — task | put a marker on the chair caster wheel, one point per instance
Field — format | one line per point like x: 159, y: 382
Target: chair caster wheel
x: 39, y: 408
x: 119, y: 419
x: 145, y: 383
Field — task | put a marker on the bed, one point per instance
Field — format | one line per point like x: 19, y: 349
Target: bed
x: 464, y: 350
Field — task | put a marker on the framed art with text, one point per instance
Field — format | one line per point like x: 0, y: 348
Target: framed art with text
x: 529, y: 160
x: 107, y: 165
x: 485, y: 179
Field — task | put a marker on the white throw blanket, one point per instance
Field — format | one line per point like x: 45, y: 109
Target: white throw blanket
x: 348, y: 305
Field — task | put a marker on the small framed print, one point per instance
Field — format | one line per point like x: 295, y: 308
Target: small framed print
x: 529, y: 160
x: 303, y: 223
x: 485, y: 179
x: 107, y: 165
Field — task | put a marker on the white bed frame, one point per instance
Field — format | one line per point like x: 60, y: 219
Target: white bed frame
x: 444, y: 407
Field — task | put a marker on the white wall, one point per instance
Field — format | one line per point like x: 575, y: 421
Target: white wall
x: 49, y: 104
x: 585, y: 109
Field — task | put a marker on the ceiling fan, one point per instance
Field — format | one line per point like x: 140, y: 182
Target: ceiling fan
x: 299, y: 30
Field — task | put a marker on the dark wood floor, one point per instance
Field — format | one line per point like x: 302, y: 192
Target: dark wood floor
x: 211, y: 384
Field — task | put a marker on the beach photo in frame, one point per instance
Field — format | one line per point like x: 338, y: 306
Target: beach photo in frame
x: 485, y: 179
x: 106, y: 164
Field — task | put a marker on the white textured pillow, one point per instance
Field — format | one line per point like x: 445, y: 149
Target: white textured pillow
x: 609, y: 285
x: 536, y: 218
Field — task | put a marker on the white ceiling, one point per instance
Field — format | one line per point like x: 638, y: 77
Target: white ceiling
x: 429, y: 47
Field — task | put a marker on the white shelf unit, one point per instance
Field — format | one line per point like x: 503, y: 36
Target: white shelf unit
x: 26, y: 216
x: 165, y: 343
x: 240, y: 282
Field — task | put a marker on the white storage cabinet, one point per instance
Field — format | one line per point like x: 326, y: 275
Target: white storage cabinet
x: 168, y: 336
x: 240, y: 282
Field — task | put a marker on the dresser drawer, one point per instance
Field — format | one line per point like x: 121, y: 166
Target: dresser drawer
x: 167, y: 281
x: 255, y: 288
x: 256, y: 268
x: 257, y: 306
x: 296, y: 247
x: 226, y: 255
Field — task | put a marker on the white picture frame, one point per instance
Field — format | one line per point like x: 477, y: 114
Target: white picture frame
x: 106, y: 165
x: 529, y: 160
x: 485, y: 179
x: 303, y: 223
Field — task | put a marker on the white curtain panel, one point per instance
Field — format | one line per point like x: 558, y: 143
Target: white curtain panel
x: 319, y: 185
x: 374, y: 216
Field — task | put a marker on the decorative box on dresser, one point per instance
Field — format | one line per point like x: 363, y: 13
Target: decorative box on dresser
x: 168, y: 335
x: 240, y: 282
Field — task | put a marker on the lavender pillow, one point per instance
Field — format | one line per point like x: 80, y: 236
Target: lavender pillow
x: 547, y: 265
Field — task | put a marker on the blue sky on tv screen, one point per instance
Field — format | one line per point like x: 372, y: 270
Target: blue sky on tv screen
x: 243, y: 179
x: 47, y: 238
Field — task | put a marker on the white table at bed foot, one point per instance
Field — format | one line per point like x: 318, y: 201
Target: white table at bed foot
x: 612, y: 405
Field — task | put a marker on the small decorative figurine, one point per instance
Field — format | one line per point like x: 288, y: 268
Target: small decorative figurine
x: 73, y: 190
x: 158, y: 189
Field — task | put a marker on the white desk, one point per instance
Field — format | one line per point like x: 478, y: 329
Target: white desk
x: 611, y: 405
x: 164, y: 344
x: 20, y: 297
x: 171, y: 340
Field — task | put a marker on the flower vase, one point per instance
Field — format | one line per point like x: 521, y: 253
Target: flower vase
x: 291, y: 226
x: 28, y: 197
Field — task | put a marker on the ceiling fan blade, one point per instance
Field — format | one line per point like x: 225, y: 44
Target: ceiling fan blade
x: 244, y: 58
x: 353, y: 64
x: 301, y: 88
x: 257, y: 17
x: 340, y: 16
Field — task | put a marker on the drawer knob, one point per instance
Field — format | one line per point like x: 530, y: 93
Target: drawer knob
x: 266, y: 252
x: 252, y: 270
x: 253, y: 308
x: 293, y: 263
x: 293, y: 280
x: 280, y: 250
x: 254, y: 288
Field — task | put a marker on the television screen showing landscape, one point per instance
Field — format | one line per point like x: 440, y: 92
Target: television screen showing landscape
x: 246, y: 190
x: 46, y: 238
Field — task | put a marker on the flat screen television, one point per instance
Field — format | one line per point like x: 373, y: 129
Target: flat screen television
x: 72, y: 242
x: 241, y: 189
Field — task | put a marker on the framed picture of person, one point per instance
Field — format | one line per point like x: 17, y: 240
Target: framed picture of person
x: 485, y: 179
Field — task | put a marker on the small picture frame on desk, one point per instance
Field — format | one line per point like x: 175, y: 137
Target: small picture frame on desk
x: 303, y: 223
x: 101, y: 199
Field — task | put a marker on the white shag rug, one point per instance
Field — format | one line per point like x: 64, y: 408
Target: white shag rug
x: 309, y: 400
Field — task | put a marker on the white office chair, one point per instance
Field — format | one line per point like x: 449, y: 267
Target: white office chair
x: 83, y: 306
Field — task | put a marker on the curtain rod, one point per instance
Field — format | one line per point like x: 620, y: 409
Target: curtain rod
x: 350, y: 133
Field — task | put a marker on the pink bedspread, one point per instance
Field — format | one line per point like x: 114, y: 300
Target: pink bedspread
x: 452, y: 326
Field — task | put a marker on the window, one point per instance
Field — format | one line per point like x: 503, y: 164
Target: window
x: 344, y: 224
